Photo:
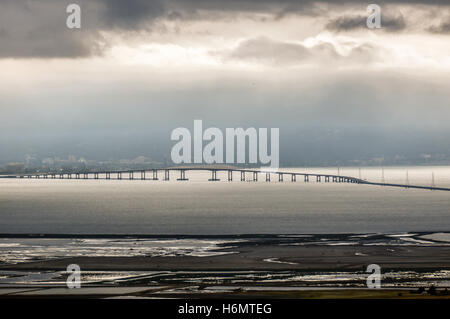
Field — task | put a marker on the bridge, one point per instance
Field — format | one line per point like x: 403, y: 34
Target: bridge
x: 152, y: 174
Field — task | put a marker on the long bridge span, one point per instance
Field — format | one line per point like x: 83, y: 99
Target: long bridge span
x: 268, y: 175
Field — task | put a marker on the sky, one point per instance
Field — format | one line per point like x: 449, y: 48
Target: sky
x: 135, y: 70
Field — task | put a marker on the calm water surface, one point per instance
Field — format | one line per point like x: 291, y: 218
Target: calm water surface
x: 210, y: 208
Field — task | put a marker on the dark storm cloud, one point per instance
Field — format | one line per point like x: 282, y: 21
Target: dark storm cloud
x: 38, y: 28
x: 131, y: 14
x: 348, y: 23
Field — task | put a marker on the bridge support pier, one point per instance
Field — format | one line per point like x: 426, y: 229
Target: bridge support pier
x: 327, y: 179
x: 182, y: 176
x: 293, y: 178
x: 155, y: 174
x: 213, y: 176
x: 267, y: 177
x: 280, y: 177
x: 255, y: 176
x: 318, y: 178
x: 77, y: 175
x: 230, y: 176
x: 119, y: 175
x: 242, y: 176
x: 306, y: 178
x: 142, y: 175
x: 108, y: 175
x: 166, y: 175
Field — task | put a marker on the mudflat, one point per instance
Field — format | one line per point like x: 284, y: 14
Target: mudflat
x: 268, y: 257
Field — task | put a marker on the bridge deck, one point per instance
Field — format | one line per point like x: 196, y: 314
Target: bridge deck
x: 214, y: 170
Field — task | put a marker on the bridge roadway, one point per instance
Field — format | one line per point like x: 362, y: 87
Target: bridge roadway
x: 182, y: 177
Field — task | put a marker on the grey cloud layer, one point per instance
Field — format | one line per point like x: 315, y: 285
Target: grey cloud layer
x: 37, y: 28
x: 443, y: 27
x: 277, y: 53
x: 346, y: 23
